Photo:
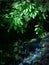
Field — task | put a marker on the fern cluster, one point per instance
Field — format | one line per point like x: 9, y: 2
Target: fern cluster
x: 20, y: 13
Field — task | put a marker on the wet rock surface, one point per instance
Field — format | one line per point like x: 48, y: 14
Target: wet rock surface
x: 40, y: 55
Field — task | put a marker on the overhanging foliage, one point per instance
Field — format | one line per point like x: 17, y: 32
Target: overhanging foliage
x: 19, y: 13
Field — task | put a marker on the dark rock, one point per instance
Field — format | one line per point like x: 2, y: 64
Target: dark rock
x: 41, y: 54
